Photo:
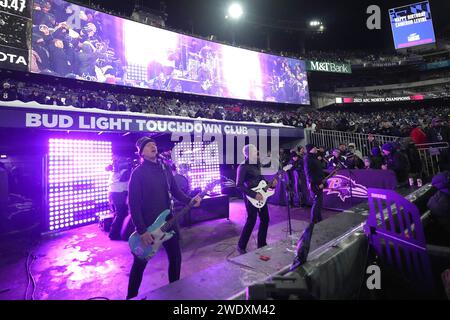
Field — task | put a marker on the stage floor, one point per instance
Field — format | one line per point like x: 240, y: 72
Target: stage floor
x: 84, y: 263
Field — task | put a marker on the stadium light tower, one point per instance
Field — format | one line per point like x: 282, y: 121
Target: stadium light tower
x: 235, y: 11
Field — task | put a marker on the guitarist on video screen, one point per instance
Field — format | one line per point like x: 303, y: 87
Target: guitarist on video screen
x: 150, y: 192
x: 248, y: 177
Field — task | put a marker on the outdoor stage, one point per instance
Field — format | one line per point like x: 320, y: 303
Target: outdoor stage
x: 83, y: 263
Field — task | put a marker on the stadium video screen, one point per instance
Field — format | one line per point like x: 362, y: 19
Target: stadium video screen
x: 76, y: 42
x: 412, y: 25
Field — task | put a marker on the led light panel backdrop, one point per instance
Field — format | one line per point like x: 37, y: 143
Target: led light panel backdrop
x: 200, y: 160
x: 77, y: 182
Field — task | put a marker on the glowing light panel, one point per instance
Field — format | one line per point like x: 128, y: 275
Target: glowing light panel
x: 77, y: 182
x: 202, y: 160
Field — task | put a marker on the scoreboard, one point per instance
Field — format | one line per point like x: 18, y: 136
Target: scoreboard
x: 412, y: 25
x: 15, y: 34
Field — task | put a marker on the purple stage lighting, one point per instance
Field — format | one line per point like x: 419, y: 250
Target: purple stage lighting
x: 77, y: 182
x: 202, y: 162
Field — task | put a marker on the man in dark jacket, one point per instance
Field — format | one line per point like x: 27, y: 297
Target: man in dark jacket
x: 314, y: 175
x: 150, y: 191
x: 248, y: 177
x: 439, y: 205
x: 59, y: 60
x: 376, y: 160
x: 314, y: 178
x: 396, y: 161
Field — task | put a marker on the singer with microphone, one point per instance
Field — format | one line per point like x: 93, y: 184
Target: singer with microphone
x: 150, y: 190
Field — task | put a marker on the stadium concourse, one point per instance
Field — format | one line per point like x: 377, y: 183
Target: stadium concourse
x: 285, y: 171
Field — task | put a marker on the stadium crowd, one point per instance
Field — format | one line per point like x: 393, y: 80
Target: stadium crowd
x: 430, y: 124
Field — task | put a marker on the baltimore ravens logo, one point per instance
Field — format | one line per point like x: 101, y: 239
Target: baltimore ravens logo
x: 345, y: 188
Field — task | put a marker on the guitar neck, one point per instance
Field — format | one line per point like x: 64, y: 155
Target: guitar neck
x: 182, y: 212
x: 277, y: 176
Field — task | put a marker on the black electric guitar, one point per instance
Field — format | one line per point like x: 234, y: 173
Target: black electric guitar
x: 315, y: 187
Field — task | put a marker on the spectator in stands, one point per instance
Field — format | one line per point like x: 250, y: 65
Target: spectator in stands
x: 371, y: 141
x: 367, y: 164
x: 396, y: 161
x: 410, y: 150
x: 36, y: 97
x: 376, y: 160
x: 438, y: 132
x: 9, y: 92
x: 353, y: 158
x: 336, y: 160
x: 439, y: 205
x: 343, y: 149
x: 417, y: 134
x: 53, y: 100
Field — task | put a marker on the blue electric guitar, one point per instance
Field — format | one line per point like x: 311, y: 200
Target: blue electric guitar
x: 159, y: 229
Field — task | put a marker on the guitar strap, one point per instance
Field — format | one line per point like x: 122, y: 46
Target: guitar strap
x: 164, y: 168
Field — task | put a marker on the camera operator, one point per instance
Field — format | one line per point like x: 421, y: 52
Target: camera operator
x: 118, y: 193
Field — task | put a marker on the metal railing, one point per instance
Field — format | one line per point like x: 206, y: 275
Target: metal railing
x: 332, y: 138
x: 429, y: 152
x: 429, y: 155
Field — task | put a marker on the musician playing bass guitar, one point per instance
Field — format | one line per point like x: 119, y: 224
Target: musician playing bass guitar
x: 150, y: 192
x: 248, y: 177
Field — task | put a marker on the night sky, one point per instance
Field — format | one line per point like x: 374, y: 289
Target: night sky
x: 345, y: 21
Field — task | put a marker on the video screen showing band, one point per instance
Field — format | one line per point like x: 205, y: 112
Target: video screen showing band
x: 76, y: 42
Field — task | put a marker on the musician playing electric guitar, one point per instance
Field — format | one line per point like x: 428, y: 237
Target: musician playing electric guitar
x: 248, y: 177
x: 315, y: 179
x: 150, y: 191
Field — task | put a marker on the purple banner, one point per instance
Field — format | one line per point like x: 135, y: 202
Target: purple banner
x: 348, y: 188
x: 76, y: 42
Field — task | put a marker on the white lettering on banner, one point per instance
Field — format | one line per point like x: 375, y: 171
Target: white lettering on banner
x: 102, y: 123
x: 151, y: 126
x: 34, y: 120
x: 330, y: 67
x: 12, y: 58
x: 189, y: 127
x: 212, y: 128
x: 229, y: 129
x: 83, y: 122
x: 127, y: 123
x: 115, y: 124
x: 381, y: 99
x: 141, y: 124
x: 172, y: 126
x: 198, y: 127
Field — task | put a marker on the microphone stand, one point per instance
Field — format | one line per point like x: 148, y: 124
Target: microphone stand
x: 350, y: 182
x: 287, y: 196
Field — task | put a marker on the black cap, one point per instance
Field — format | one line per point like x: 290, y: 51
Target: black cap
x: 140, y: 144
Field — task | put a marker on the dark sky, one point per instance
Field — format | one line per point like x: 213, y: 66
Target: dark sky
x: 345, y: 21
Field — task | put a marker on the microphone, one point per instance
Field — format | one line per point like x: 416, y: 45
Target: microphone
x: 162, y: 157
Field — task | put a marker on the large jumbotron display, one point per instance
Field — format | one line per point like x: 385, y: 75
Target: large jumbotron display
x: 76, y: 42
x: 412, y: 25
